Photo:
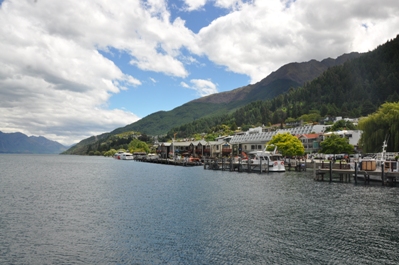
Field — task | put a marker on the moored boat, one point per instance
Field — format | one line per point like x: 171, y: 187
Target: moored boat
x: 271, y: 161
x: 122, y: 155
x: 127, y: 156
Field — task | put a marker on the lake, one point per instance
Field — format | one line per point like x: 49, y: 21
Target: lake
x: 93, y: 210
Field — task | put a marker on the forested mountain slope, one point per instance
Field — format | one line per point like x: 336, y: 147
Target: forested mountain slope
x: 288, y: 76
x: 356, y: 88
x: 219, y: 107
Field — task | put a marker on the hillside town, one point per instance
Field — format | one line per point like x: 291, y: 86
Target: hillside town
x: 255, y: 139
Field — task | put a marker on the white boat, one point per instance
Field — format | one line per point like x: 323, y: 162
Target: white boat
x: 152, y: 156
x: 118, y: 154
x: 127, y: 156
x: 122, y: 155
x: 270, y: 161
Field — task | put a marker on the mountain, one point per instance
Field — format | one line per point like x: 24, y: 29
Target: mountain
x: 278, y: 82
x: 19, y: 143
x: 292, y: 75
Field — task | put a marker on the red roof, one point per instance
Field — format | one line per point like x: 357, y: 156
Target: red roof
x: 310, y: 135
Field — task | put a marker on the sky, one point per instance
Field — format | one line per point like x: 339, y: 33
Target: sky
x: 77, y: 68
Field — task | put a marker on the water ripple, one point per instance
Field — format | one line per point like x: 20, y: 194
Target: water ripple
x: 94, y: 210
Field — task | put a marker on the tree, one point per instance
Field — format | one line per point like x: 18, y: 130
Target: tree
x: 341, y: 125
x: 290, y: 120
x: 367, y: 108
x: 287, y: 144
x: 323, y: 110
x: 144, y: 138
x: 233, y: 126
x: 110, y: 152
x: 138, y: 146
x: 335, y: 144
x: 379, y: 126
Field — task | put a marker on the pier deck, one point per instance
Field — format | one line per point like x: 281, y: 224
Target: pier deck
x: 347, y: 174
x: 164, y: 161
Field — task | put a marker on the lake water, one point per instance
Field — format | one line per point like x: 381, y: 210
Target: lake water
x: 94, y: 210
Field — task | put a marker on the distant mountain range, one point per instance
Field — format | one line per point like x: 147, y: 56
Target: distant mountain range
x: 353, y: 85
x: 19, y: 143
x: 291, y: 75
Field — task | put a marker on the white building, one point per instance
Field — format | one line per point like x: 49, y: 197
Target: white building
x: 352, y: 135
x: 256, y: 139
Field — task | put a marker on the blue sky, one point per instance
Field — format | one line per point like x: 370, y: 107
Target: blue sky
x: 77, y: 68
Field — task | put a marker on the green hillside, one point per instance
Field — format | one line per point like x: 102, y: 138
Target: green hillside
x: 356, y: 88
x: 352, y: 89
x: 288, y: 76
x: 159, y: 122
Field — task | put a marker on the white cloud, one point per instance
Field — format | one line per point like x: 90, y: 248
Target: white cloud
x: 194, y: 4
x: 191, y: 5
x: 203, y: 87
x: 231, y: 4
x: 53, y: 80
x: 259, y: 37
x: 184, y: 84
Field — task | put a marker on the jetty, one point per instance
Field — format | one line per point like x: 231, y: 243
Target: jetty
x: 174, y: 162
x: 329, y: 171
x: 238, y: 165
x: 387, y: 174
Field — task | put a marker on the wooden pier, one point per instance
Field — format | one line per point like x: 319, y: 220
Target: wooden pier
x: 322, y: 171
x: 180, y: 162
x: 346, y: 174
x: 232, y: 164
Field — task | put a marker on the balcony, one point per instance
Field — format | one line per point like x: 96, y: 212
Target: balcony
x: 226, y: 150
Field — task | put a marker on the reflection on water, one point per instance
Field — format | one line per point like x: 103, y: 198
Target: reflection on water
x: 95, y: 210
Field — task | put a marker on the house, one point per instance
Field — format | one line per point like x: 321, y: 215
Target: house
x: 256, y: 139
x: 353, y: 136
x: 218, y: 149
x: 185, y: 148
x: 311, y: 141
x: 250, y: 141
x: 164, y: 149
x: 182, y: 148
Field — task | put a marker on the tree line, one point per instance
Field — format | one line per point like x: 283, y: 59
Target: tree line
x: 354, y: 89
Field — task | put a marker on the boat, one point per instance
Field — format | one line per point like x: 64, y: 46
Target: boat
x: 259, y: 159
x: 118, y: 154
x: 122, y: 155
x: 127, y: 156
x: 152, y: 157
x: 374, y: 163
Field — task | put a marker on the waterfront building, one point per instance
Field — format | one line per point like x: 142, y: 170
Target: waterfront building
x: 352, y: 135
x: 311, y: 141
x: 256, y: 138
x: 218, y: 149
